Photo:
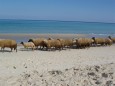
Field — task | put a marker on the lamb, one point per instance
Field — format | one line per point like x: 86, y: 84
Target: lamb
x: 28, y: 45
x: 37, y: 42
x: 113, y: 39
x: 9, y: 43
x: 98, y: 41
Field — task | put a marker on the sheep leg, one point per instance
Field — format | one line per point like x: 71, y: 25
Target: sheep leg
x: 36, y: 47
x: 1, y: 49
x: 27, y: 49
x: 60, y: 48
x: 32, y: 48
x: 15, y: 49
x: 40, y: 47
x: 69, y: 47
x: 95, y: 45
x: 11, y: 49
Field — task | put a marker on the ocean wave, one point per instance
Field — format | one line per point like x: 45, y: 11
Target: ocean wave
x: 102, y: 34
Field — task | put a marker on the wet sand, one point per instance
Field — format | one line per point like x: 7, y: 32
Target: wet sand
x: 25, y: 37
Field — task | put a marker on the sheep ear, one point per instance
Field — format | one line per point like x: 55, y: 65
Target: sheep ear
x: 93, y: 37
x: 109, y: 36
x: 21, y: 42
x: 30, y: 40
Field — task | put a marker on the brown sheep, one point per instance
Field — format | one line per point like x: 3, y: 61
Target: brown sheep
x: 98, y: 41
x: 62, y: 42
x: 37, y: 42
x: 9, y: 43
x: 68, y: 43
x: 84, y: 42
x: 52, y: 44
x: 113, y: 39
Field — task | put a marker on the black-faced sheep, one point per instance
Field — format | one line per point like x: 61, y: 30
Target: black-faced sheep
x: 37, y: 42
x: 28, y: 45
x: 113, y: 39
x: 98, y: 41
x: 108, y: 41
x: 9, y: 43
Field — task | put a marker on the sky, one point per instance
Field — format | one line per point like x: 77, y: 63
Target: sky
x: 65, y: 10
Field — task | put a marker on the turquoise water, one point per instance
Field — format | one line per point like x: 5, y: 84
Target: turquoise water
x: 50, y: 26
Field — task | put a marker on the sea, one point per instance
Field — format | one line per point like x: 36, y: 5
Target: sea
x: 17, y: 26
x: 53, y: 26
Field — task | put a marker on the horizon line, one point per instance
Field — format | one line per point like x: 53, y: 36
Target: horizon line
x: 59, y: 20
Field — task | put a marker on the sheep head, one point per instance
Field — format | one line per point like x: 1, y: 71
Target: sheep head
x: 30, y: 40
x: 93, y: 38
x: 109, y: 37
x: 22, y: 43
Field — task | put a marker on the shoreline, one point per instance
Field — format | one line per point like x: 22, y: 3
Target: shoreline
x: 26, y: 36
x: 52, y: 34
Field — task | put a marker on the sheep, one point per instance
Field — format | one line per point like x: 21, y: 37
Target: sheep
x: 113, y: 39
x: 68, y: 43
x: 55, y: 43
x: 52, y: 43
x: 108, y: 41
x: 62, y: 42
x: 28, y: 45
x: 9, y: 43
x: 83, y: 42
x: 58, y: 44
x: 98, y: 41
x: 89, y: 42
x: 37, y: 42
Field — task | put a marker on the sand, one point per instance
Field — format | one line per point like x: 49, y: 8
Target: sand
x: 94, y: 66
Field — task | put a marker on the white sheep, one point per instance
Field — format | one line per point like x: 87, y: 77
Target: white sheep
x: 28, y: 45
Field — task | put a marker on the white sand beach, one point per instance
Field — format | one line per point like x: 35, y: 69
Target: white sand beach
x: 75, y: 67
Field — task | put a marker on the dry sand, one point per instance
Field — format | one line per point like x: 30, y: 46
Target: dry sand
x: 75, y: 67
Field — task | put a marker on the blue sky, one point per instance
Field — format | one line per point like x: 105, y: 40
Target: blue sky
x: 67, y: 10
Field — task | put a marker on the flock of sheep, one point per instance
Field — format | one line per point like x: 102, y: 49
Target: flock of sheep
x: 54, y: 44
